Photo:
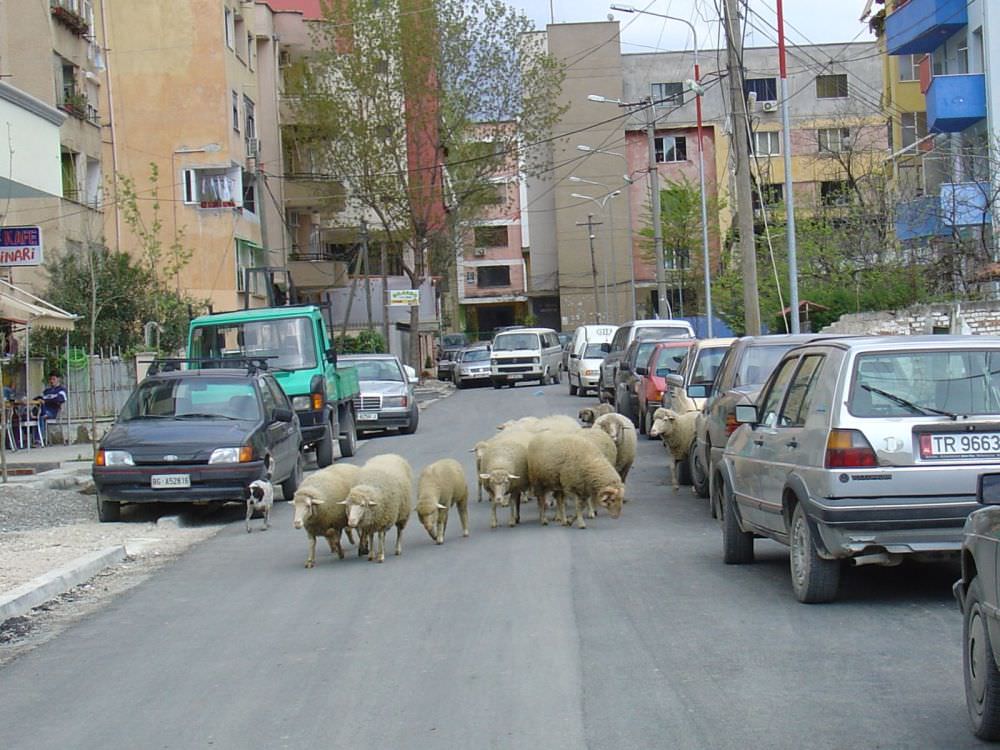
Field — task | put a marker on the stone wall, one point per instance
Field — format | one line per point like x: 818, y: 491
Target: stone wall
x: 945, y: 317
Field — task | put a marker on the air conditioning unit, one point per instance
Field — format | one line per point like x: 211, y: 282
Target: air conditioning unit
x: 768, y: 106
x: 479, y: 252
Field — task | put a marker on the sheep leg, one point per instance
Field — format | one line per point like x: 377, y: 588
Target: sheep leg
x: 311, y: 558
x: 442, y: 525
x: 493, y: 513
x: 517, y: 505
x: 580, y: 504
x: 673, y: 476
x: 350, y: 535
x: 372, y: 544
x: 364, y: 543
x: 399, y: 539
x: 591, y: 511
x: 560, y: 499
x: 381, y: 545
x: 543, y: 515
x: 463, y: 516
x: 479, y: 491
x: 333, y: 539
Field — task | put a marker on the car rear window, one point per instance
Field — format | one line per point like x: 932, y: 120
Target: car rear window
x: 508, y: 342
x: 477, y: 355
x: 914, y: 383
x: 377, y: 369
x: 758, y: 362
x: 661, y: 332
x: 594, y: 351
x: 187, y: 399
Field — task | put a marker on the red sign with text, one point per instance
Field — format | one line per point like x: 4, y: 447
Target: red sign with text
x: 20, y: 246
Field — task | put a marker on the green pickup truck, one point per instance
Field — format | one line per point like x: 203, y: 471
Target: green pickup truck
x: 300, y: 355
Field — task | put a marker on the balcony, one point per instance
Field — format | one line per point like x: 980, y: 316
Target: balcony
x: 919, y: 218
x: 922, y: 25
x: 954, y: 103
x: 965, y: 204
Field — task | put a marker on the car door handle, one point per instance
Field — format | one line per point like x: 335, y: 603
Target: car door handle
x: 793, y: 443
x: 758, y: 441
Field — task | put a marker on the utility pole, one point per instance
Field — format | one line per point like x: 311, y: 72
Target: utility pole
x: 786, y: 146
x: 368, y: 280
x: 383, y: 262
x: 741, y: 145
x: 654, y: 196
x: 590, y: 224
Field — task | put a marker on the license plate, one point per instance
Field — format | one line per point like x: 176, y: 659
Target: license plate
x: 367, y: 417
x: 164, y: 481
x: 960, y: 445
x: 515, y: 377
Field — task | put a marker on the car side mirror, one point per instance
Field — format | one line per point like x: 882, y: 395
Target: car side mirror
x: 988, y: 489
x: 698, y: 391
x: 642, y: 371
x: 662, y: 372
x: 746, y: 414
x: 574, y: 356
x: 606, y: 348
x: 675, y: 380
x: 331, y: 356
x: 280, y: 414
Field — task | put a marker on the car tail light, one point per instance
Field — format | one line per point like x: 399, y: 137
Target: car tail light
x: 849, y: 449
x: 731, y: 423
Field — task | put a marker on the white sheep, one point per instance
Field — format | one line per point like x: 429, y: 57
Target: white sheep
x: 569, y: 464
x: 479, y: 449
x: 588, y: 414
x: 504, y: 473
x: 677, y: 433
x: 622, y: 431
x: 379, y: 500
x: 607, y: 448
x: 538, y: 424
x: 318, y: 509
x: 441, y: 485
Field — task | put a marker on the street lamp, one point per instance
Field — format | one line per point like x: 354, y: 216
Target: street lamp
x: 696, y: 88
x: 602, y: 202
x: 628, y: 201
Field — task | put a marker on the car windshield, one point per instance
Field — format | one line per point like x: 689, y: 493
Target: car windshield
x: 196, y: 398
x: 594, y: 351
x: 758, y: 361
x: 476, y: 355
x: 288, y: 341
x: 661, y: 332
x: 707, y: 365
x: 453, y: 339
x: 913, y: 383
x: 669, y: 357
x: 377, y: 369
x: 508, y: 342
x: 643, y: 350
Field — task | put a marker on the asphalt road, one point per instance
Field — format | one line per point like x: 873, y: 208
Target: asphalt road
x: 629, y: 634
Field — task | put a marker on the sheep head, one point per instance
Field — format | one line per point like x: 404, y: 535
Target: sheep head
x: 359, y: 502
x: 663, y: 422
x: 428, y: 514
x: 305, y: 504
x: 586, y: 416
x: 497, y: 484
x: 613, y: 427
x: 612, y: 497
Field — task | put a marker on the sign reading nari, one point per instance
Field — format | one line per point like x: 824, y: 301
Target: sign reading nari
x: 404, y: 297
x: 20, y: 246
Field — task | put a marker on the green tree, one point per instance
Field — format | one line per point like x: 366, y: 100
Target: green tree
x: 394, y: 86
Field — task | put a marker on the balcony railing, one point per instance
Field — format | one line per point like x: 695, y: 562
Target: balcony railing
x: 67, y: 13
x: 955, y: 102
x: 958, y: 204
x: 923, y: 25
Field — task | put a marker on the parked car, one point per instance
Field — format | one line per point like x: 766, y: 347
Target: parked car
x: 978, y: 596
x: 565, y: 339
x: 625, y: 335
x: 585, y: 356
x: 865, y: 450
x: 448, y: 347
x: 387, y: 399
x: 446, y: 364
x: 525, y: 354
x: 700, y: 366
x: 472, y: 365
x: 198, y: 435
x: 666, y: 359
x: 744, y: 368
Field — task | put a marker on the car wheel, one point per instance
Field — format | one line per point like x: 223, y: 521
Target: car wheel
x: 348, y: 438
x: 699, y: 478
x: 982, y: 679
x: 291, y: 484
x: 411, y: 426
x: 814, y: 579
x: 324, y: 448
x: 737, y: 545
x: 572, y: 388
x: 108, y: 510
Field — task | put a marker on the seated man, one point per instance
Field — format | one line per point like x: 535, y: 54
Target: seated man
x: 52, y: 399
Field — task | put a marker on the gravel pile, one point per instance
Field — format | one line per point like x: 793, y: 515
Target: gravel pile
x: 25, y: 507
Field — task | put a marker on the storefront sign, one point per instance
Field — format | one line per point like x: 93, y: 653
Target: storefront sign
x: 20, y: 246
x: 404, y: 297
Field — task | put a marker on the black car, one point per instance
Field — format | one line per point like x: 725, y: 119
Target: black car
x: 198, y: 435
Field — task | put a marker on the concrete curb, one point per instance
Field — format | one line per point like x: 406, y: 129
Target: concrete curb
x: 56, y: 582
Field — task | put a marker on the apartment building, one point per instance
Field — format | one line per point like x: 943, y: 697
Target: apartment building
x: 601, y: 163
x: 948, y: 196
x: 51, y: 58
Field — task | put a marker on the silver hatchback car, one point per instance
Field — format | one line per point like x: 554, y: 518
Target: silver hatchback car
x: 862, y: 449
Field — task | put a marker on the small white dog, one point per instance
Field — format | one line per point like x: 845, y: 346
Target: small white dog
x: 260, y: 497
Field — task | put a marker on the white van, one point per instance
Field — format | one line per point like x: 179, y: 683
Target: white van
x: 525, y: 354
x: 585, y: 356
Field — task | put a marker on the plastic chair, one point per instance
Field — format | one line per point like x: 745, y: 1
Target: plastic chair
x: 32, y: 419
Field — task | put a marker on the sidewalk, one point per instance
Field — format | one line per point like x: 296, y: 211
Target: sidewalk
x: 29, y: 463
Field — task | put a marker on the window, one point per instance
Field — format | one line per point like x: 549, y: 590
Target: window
x: 766, y: 143
x: 212, y: 188
x: 831, y: 86
x: 769, y: 407
x: 236, y: 112
x: 249, y: 193
x: 493, y: 276
x: 250, y: 131
x: 772, y: 194
x: 240, y: 36
x: 70, y: 176
x: 668, y: 93
x: 249, y: 255
x: 962, y: 55
x: 801, y: 393
x: 766, y: 89
x: 470, y: 278
x: 491, y: 236
x: 92, y: 183
x: 914, y: 127
x: 909, y: 67
x: 670, y: 148
x: 834, y: 140
x: 230, y: 28
x: 834, y: 193
x: 250, y: 50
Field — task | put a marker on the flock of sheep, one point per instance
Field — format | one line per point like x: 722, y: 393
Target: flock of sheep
x: 541, y: 457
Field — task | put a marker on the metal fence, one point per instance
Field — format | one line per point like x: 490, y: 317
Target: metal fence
x: 114, y: 380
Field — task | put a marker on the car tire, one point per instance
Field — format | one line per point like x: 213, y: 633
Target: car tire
x: 572, y: 388
x: 324, y: 448
x: 292, y: 482
x: 699, y: 477
x: 411, y: 426
x: 643, y: 430
x: 737, y: 545
x: 108, y: 511
x: 982, y: 678
x: 347, y: 441
x: 814, y: 580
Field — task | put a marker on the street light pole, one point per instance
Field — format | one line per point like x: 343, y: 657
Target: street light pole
x: 654, y: 189
x: 603, y: 202
x: 786, y: 137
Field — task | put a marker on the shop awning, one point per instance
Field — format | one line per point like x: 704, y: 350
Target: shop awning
x: 24, y: 307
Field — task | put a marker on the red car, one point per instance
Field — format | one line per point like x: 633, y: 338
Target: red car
x: 663, y: 360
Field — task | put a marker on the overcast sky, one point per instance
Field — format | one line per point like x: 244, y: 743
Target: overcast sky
x: 817, y: 21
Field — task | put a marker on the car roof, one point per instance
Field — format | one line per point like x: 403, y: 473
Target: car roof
x: 207, y: 372
x: 526, y: 330
x: 904, y: 343
x: 359, y: 356
x: 779, y: 339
